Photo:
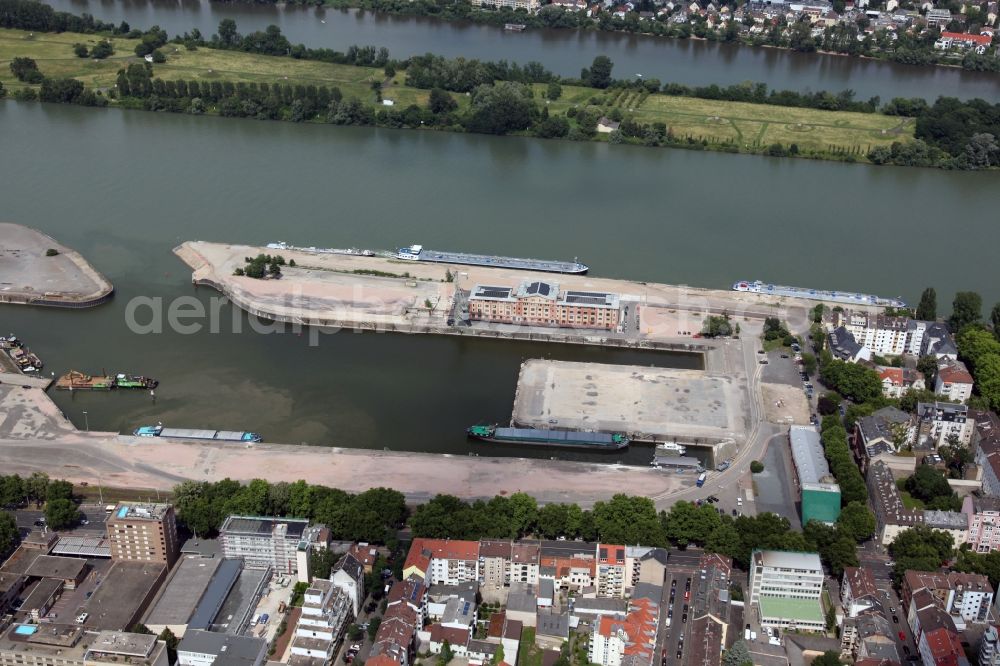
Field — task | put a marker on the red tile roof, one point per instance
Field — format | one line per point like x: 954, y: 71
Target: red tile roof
x: 495, y: 629
x: 984, y: 40
x: 364, y: 554
x: 423, y: 550
x: 608, y: 554
x: 639, y: 627
x: 862, y: 582
x: 953, y: 373
x: 453, y: 635
x: 381, y: 660
x: 945, y: 646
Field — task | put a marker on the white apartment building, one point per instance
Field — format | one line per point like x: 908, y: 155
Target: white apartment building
x: 939, y: 422
x: 349, y: 576
x: 524, y: 563
x: 953, y: 381
x: 614, y: 640
x: 263, y: 542
x: 785, y: 589
x: 202, y: 648
x: 879, y: 333
x: 610, y: 571
x: 326, y: 611
x: 989, y: 649
x: 530, y: 6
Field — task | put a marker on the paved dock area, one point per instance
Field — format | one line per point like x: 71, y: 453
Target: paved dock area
x: 35, y: 436
x: 662, y: 402
x: 27, y: 276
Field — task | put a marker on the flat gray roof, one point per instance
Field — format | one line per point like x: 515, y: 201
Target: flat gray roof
x: 807, y: 453
x: 121, y: 593
x: 240, y: 600
x: 263, y: 526
x: 51, y: 566
x: 189, y: 579
x: 244, y: 649
x: 217, y: 588
x: 83, y: 546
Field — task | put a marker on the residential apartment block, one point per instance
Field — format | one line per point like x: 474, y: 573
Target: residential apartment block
x: 537, y: 303
x: 986, y: 448
x: 443, y: 561
x: 785, y: 589
x: 984, y: 522
x: 989, y: 648
x: 858, y: 593
x: 896, y: 382
x: 326, y: 612
x: 610, y: 571
x: 882, y: 334
x: 939, y: 423
x: 263, y: 542
x: 205, y: 648
x: 965, y: 598
x: 143, y: 533
x: 885, y: 431
x: 891, y: 515
x: 531, y: 6
x: 953, y: 381
x: 631, y: 640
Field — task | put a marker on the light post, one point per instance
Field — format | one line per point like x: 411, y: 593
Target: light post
x: 86, y: 420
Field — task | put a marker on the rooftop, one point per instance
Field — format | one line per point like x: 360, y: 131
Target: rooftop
x: 552, y: 624
x: 139, y: 511
x: 807, y: 453
x: 122, y: 592
x: 83, y: 546
x: 188, y: 581
x: 245, y: 649
x: 63, y: 568
x: 290, y: 528
x: 787, y: 608
x: 784, y: 559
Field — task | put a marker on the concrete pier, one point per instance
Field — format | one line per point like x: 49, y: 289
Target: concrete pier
x: 652, y: 404
x: 29, y: 277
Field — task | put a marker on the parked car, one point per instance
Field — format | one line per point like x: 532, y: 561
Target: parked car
x: 902, y: 636
x: 895, y: 619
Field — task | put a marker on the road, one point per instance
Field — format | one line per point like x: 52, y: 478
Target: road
x: 878, y: 563
x: 681, y: 569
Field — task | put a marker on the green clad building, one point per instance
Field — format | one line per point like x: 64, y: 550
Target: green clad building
x: 820, y: 501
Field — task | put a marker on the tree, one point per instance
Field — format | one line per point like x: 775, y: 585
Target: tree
x: 12, y: 491
x: 9, y: 534
x: 227, y: 32
x: 599, y: 74
x: 967, y: 308
x: 26, y: 70
x: 995, y: 320
x: 856, y: 521
x: 102, y: 50
x: 927, y: 309
x: 553, y: 91
x: 828, y: 658
x: 373, y: 625
x: 158, y: 56
x: 441, y: 102
x: 808, y: 363
x: 446, y: 654
x: 168, y: 637
x: 500, y: 108
x: 927, y: 483
x: 59, y: 490
x: 61, y: 513
x: 737, y: 655
x: 817, y: 313
x: 80, y: 50
x: 920, y: 548
x: 716, y: 327
x: 756, y: 467
x: 37, y: 487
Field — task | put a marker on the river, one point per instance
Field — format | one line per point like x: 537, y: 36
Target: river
x: 691, y: 62
x: 124, y: 188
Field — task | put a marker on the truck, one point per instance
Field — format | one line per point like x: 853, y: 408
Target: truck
x: 701, y: 479
x: 264, y: 617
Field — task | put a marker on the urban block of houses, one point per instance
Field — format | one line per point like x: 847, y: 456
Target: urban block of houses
x: 858, y: 593
x: 966, y: 598
x: 880, y: 435
x: 631, y: 639
x: 326, y: 612
x: 986, y: 448
x: 963, y: 41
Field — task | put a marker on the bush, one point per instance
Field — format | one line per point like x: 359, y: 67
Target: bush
x: 80, y: 50
x: 25, y: 70
x: 158, y: 57
x: 51, y: 252
x: 756, y: 467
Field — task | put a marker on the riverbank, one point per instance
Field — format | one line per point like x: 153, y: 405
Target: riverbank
x: 37, y: 270
x: 656, y: 119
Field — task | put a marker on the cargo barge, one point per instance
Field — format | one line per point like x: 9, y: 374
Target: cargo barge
x: 418, y: 253
x: 74, y: 380
x: 846, y: 297
x: 575, y: 439
x: 190, y: 433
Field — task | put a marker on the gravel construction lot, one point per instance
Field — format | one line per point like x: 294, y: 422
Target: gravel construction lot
x: 26, y: 273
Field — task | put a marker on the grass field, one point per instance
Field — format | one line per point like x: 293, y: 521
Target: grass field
x: 751, y: 124
x: 746, y: 126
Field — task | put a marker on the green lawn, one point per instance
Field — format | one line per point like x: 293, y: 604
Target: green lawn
x: 528, y: 654
x: 909, y: 501
x: 745, y: 125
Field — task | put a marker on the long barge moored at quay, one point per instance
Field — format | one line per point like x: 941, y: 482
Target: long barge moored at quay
x: 74, y: 380
x: 573, y: 439
x: 192, y: 433
x: 847, y: 297
x: 418, y: 253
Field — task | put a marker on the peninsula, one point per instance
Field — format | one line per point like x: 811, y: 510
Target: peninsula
x: 37, y: 270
